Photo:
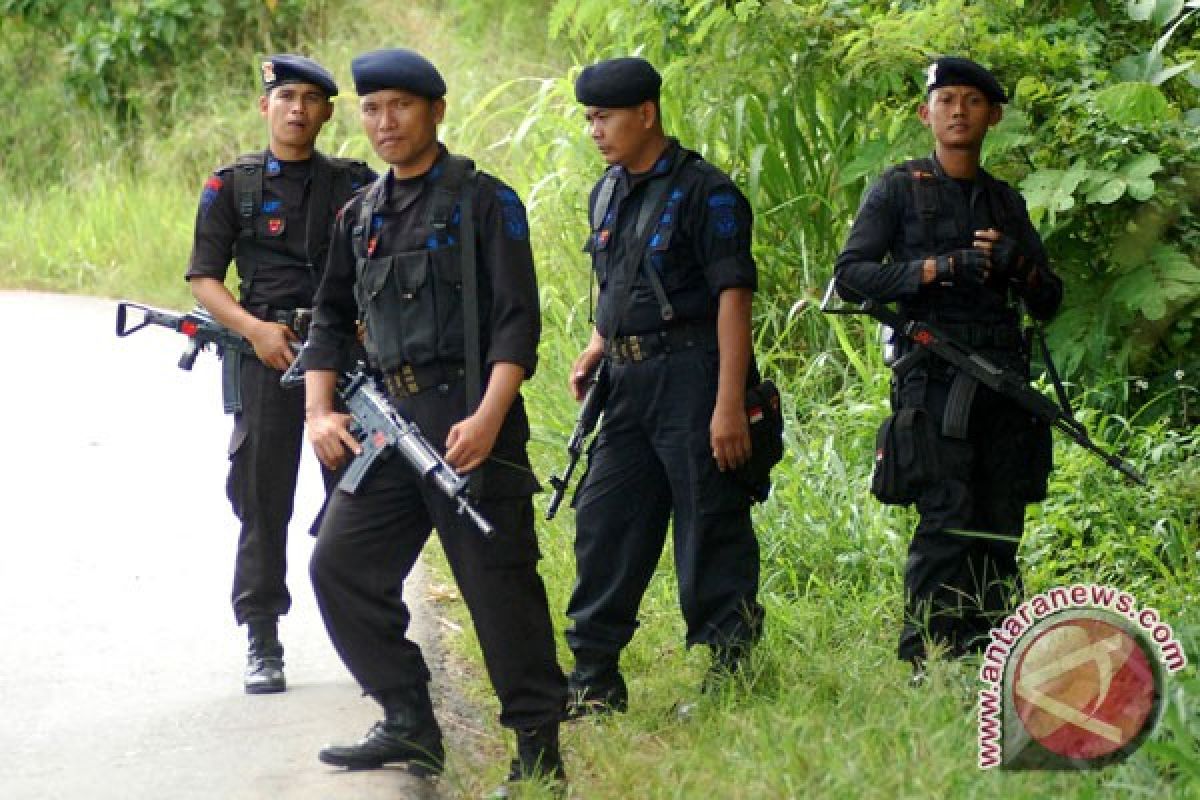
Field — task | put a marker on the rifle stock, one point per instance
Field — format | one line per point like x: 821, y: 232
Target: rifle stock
x: 201, y: 330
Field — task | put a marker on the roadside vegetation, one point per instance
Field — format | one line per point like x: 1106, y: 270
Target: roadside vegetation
x: 113, y: 120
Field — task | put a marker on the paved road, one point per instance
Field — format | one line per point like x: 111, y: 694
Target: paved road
x: 120, y: 666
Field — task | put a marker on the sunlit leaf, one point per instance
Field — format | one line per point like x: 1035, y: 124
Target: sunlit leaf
x: 1163, y: 75
x: 1134, y: 103
x: 1109, y: 191
x: 1165, y: 11
x: 1052, y: 189
x: 1140, y: 10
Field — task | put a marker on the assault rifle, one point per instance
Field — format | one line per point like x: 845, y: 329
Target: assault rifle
x: 1004, y: 382
x: 589, y: 414
x: 202, y: 330
x: 381, y: 431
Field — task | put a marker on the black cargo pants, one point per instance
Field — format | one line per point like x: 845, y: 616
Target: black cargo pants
x: 369, y: 542
x: 264, y: 459
x: 961, y: 576
x: 651, y: 461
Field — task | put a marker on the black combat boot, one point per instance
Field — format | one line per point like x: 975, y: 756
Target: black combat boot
x: 595, y: 686
x: 408, y: 733
x: 538, y: 759
x: 264, y: 658
x: 728, y: 661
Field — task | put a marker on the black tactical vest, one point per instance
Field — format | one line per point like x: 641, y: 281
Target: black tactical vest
x: 333, y: 181
x: 412, y: 301
x: 933, y: 224
x: 653, y: 234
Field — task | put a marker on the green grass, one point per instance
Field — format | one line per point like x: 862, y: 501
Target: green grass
x: 825, y: 711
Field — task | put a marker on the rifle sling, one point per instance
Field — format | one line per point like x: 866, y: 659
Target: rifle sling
x: 652, y: 206
x: 316, y: 227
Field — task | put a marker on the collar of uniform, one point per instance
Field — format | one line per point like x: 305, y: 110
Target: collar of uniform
x: 981, y: 177
x: 662, y: 166
x: 270, y: 158
x: 429, y: 176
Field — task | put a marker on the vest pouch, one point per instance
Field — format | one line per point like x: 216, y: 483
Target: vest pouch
x: 905, y: 454
x: 448, y: 294
x: 398, y: 307
x: 597, y: 247
x: 764, y: 413
x: 674, y: 275
x: 949, y: 235
x: 1037, y: 443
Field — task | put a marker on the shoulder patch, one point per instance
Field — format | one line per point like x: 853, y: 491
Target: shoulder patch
x: 208, y: 196
x: 513, y: 212
x: 721, y: 217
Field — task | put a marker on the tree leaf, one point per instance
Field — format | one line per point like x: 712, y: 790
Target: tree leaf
x: 1173, y: 264
x: 1141, y: 166
x: 1140, y: 10
x: 1137, y: 171
x: 1139, y: 291
x: 1134, y: 103
x: 1165, y: 11
x: 1163, y: 75
x: 1139, y: 67
x: 1167, y: 277
x: 1052, y: 189
x: 1109, y: 191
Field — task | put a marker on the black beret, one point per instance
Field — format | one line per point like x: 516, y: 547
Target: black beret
x: 618, y: 83
x: 956, y: 71
x: 287, y: 68
x: 397, y: 69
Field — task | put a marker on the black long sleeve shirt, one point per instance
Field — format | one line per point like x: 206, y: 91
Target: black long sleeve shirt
x: 888, y: 243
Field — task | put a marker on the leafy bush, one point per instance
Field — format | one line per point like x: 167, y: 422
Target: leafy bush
x: 118, y: 54
x: 806, y: 101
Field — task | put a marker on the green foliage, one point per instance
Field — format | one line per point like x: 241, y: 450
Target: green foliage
x: 1097, y: 138
x: 117, y: 54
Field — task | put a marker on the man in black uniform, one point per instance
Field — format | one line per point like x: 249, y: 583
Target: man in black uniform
x: 404, y: 257
x: 272, y: 212
x: 670, y: 248
x: 954, y: 246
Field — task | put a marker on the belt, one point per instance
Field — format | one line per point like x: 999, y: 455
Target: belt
x: 296, y: 319
x: 1004, y: 337
x: 409, y: 380
x: 641, y: 346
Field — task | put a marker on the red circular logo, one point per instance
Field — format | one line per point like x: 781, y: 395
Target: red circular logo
x: 1085, y: 687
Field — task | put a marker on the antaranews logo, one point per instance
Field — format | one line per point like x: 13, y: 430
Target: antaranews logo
x: 1074, y: 678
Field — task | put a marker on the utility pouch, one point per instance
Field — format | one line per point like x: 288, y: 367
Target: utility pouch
x: 1037, y: 444
x: 905, y: 456
x: 765, y: 415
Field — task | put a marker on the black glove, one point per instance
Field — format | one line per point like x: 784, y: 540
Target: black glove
x: 1007, y: 260
x: 962, y: 267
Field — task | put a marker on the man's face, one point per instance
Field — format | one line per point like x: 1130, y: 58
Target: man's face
x: 295, y: 113
x: 620, y: 134
x: 402, y: 126
x: 959, y: 116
